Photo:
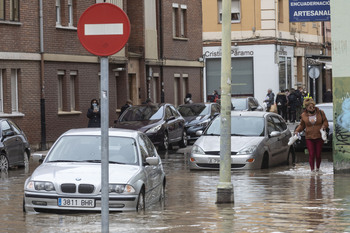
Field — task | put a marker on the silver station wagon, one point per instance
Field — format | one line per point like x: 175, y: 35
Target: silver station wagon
x: 69, y: 179
x: 258, y: 140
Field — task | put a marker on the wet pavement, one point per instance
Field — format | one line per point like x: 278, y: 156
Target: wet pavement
x: 282, y: 199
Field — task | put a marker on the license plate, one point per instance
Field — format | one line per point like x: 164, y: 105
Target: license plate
x: 214, y: 160
x: 74, y: 202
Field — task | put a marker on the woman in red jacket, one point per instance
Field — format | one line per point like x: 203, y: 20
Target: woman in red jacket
x: 313, y: 120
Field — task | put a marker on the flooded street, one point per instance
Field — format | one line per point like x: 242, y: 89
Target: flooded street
x: 283, y: 199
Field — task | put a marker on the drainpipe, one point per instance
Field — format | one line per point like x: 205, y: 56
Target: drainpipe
x: 161, y: 53
x: 42, y: 79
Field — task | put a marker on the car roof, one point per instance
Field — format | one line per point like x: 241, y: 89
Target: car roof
x: 97, y: 132
x: 251, y: 113
x: 324, y: 105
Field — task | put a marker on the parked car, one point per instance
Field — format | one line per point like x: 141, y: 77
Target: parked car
x: 69, y: 179
x: 198, y: 116
x: 258, y: 140
x: 162, y: 123
x: 300, y: 145
x: 246, y: 104
x: 14, y: 146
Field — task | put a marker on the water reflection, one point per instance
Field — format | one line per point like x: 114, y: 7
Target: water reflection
x: 283, y: 199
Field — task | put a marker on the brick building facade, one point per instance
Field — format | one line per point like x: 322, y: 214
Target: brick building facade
x: 47, y: 78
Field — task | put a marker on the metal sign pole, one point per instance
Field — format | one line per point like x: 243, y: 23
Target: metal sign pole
x: 104, y: 145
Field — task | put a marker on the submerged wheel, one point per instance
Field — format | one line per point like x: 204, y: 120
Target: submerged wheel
x: 25, y: 160
x: 141, y: 201
x: 265, y: 162
x: 183, y: 143
x: 4, y: 163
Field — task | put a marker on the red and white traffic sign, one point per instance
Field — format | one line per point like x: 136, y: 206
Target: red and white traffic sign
x: 103, y: 29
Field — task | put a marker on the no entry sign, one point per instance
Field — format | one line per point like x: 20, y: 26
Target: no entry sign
x: 103, y: 29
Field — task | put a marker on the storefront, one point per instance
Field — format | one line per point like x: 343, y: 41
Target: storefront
x: 255, y: 68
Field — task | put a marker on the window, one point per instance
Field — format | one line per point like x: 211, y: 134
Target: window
x: 179, y: 16
x: 73, y: 79
x: 235, y: 11
x: 60, y: 90
x: 175, y: 20
x: 1, y: 92
x: 2, y: 9
x: 58, y: 12
x: 14, y: 90
x: 14, y: 10
x: 70, y: 13
x: 183, y: 21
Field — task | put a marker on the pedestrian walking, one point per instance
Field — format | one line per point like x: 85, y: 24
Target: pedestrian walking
x: 299, y: 107
x: 328, y: 96
x: 281, y: 102
x: 313, y: 120
x: 269, y: 99
x: 292, y: 103
x: 188, y: 98
x: 126, y: 106
x: 94, y: 114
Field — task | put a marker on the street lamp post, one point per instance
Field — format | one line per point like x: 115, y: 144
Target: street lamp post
x: 225, y: 187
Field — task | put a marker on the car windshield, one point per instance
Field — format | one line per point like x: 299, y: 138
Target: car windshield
x: 239, y: 104
x: 143, y: 113
x: 88, y: 149
x: 194, y: 110
x: 240, y: 126
x: 328, y: 111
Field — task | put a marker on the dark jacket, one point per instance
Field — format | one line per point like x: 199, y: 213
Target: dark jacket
x: 94, y: 117
x: 328, y: 97
x: 281, y: 99
x: 312, y: 131
x: 293, y: 101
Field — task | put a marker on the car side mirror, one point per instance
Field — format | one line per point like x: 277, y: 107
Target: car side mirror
x: 275, y: 134
x: 153, y: 161
x: 38, y: 157
x: 170, y: 118
x: 8, y: 134
x: 199, y: 133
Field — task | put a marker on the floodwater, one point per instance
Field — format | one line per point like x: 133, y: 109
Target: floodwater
x: 283, y: 199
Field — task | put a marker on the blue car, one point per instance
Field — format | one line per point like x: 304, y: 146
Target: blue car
x: 197, y: 117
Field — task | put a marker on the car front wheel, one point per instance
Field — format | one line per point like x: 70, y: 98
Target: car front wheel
x: 183, y: 143
x: 141, y: 201
x: 4, y: 163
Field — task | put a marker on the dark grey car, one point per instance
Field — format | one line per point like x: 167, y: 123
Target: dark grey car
x: 245, y: 104
x: 14, y: 146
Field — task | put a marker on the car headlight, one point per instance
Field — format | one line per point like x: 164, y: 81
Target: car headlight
x: 247, y: 150
x: 154, y: 129
x: 203, y: 123
x: 40, y: 186
x: 197, y: 150
x: 121, y: 188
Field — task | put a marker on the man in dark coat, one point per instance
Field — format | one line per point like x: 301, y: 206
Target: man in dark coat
x: 328, y: 96
x: 281, y: 101
x: 269, y: 99
x: 94, y: 114
x: 293, y: 103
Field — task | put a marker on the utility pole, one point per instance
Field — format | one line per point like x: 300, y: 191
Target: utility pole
x: 225, y: 187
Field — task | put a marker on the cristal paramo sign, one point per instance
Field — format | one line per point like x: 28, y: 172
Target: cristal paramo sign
x: 235, y: 52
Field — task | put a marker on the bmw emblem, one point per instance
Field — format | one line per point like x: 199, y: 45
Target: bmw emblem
x: 78, y: 179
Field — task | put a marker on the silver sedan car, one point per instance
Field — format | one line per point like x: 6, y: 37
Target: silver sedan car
x: 69, y: 178
x: 258, y: 140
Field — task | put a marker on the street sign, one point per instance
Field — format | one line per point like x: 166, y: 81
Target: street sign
x: 314, y: 72
x: 309, y: 10
x: 103, y: 29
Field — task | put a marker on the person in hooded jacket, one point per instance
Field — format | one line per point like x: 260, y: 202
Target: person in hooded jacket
x: 281, y: 102
x: 313, y: 120
x: 94, y: 114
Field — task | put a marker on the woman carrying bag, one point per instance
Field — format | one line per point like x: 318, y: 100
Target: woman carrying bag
x: 315, y: 123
